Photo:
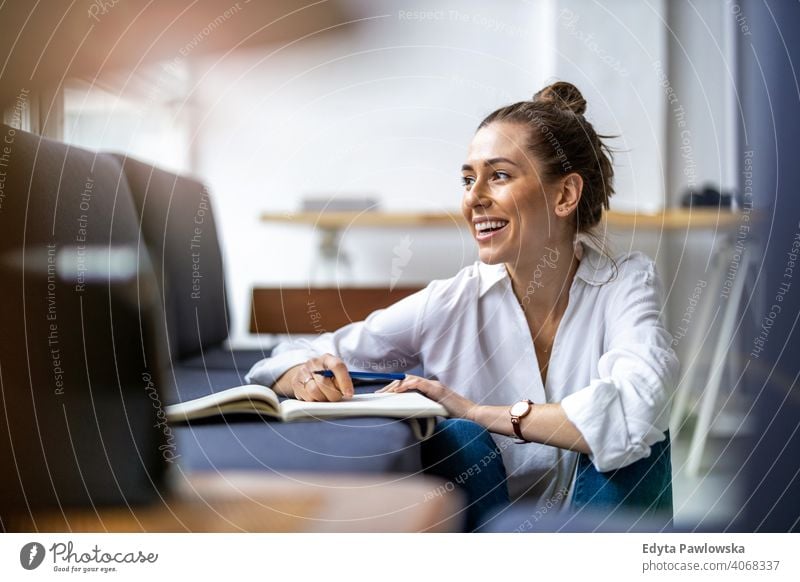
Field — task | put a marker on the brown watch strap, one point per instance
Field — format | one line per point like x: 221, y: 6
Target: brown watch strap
x: 515, y: 422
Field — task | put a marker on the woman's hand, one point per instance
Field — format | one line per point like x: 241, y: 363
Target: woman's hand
x: 456, y: 405
x: 301, y: 383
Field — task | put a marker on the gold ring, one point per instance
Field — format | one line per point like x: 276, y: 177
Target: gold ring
x: 307, y: 380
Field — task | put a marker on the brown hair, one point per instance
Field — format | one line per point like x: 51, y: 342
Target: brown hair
x: 563, y: 142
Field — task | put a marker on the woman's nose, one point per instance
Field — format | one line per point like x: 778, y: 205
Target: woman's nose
x: 475, y: 197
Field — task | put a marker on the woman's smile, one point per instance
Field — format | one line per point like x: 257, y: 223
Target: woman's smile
x: 487, y: 228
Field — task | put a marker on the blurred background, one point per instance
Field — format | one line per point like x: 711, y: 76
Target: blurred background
x: 368, y: 107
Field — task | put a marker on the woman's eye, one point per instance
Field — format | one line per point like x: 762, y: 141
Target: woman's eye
x: 467, y: 181
x: 501, y: 175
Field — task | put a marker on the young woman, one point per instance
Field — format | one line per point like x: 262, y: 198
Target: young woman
x: 548, y: 342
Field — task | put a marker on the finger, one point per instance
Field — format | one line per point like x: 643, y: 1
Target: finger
x: 300, y: 392
x: 315, y: 364
x: 342, y: 381
x: 311, y: 388
x: 315, y: 394
x: 420, y: 385
x: 403, y: 385
x: 389, y: 386
x: 328, y: 390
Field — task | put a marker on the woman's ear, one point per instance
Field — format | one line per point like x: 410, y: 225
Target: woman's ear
x: 569, y: 195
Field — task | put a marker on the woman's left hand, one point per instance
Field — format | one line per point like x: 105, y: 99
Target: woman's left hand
x: 456, y: 405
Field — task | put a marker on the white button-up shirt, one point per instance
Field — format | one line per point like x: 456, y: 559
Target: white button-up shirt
x: 611, y: 366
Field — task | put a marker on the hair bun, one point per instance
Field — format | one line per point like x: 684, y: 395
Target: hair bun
x: 564, y: 96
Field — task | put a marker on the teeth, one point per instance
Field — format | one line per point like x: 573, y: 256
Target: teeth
x: 481, y: 226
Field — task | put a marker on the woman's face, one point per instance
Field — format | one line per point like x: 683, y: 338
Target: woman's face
x: 505, y: 200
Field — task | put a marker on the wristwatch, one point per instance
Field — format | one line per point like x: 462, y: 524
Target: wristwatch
x: 519, y: 411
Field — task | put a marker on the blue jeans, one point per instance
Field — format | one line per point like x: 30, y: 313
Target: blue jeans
x: 464, y: 453
x: 644, y: 486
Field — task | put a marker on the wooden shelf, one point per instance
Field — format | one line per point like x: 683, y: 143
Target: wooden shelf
x: 674, y: 219
x: 340, y: 220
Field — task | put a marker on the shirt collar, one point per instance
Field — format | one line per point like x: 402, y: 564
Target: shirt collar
x: 490, y: 275
x: 595, y: 268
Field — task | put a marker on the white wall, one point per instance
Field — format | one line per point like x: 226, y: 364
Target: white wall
x: 612, y: 51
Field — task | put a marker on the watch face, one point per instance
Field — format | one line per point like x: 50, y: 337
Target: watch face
x: 520, y: 408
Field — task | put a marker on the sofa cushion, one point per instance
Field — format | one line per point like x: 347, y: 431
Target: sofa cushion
x: 178, y: 227
x: 351, y: 445
x: 363, y: 445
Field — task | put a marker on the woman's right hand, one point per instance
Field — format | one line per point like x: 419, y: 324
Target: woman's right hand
x: 301, y: 382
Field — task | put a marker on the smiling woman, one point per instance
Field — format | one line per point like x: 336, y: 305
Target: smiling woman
x: 548, y: 338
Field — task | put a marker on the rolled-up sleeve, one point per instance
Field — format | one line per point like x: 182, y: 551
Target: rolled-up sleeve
x: 386, y: 341
x: 625, y: 410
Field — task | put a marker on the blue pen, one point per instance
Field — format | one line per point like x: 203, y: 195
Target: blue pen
x: 364, y: 375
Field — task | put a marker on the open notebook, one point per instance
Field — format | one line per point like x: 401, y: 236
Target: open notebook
x: 418, y: 410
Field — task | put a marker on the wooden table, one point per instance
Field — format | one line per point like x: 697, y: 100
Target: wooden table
x: 255, y: 502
